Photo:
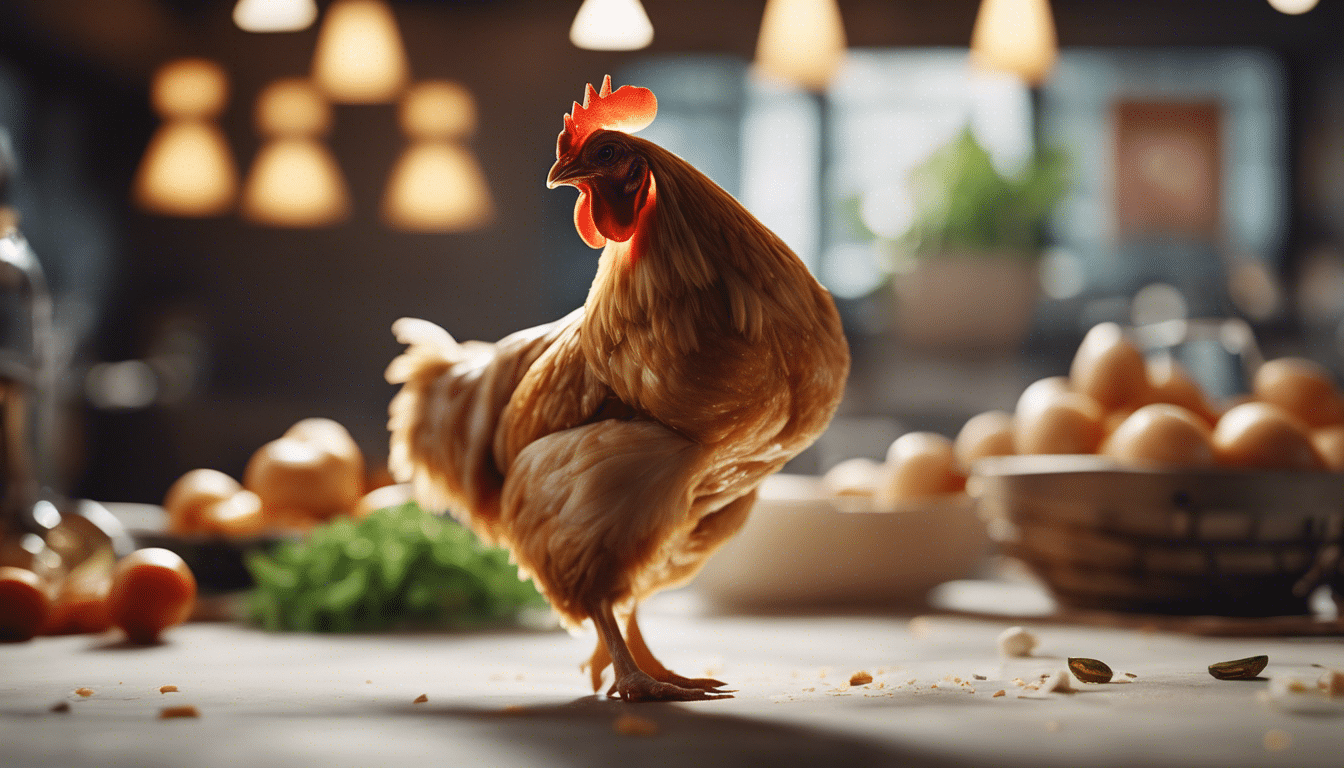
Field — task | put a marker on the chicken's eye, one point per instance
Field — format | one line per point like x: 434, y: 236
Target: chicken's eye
x: 606, y: 153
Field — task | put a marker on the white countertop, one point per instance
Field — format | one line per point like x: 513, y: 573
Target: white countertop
x: 518, y: 698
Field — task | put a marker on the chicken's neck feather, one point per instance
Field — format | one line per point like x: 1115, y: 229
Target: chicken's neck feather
x: 698, y: 260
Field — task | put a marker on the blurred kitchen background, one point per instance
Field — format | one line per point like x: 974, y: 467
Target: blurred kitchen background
x: 228, y: 235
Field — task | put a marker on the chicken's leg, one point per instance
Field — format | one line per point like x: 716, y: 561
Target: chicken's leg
x: 633, y: 683
x: 646, y: 661
x: 644, y: 658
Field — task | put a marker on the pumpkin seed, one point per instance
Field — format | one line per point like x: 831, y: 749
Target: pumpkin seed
x: 1090, y: 670
x: 1239, y: 669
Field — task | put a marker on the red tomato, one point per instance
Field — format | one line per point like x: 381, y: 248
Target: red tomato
x: 23, y: 604
x: 152, y: 590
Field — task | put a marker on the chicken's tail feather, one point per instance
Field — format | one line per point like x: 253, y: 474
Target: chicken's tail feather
x: 443, y: 420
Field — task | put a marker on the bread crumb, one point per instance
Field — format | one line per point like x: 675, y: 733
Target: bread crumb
x: 1332, y: 682
x: 61, y: 706
x: 999, y: 693
x: 860, y: 678
x: 935, y: 685
x: 167, y: 689
x: 979, y: 677
x: 1016, y: 642
x: 911, y: 681
x: 1130, y: 675
x: 85, y: 692
x: 809, y: 690
x: 1277, y: 740
x: 421, y: 699
x: 1019, y: 682
x: 368, y: 681
x: 633, y: 725
x: 168, y: 713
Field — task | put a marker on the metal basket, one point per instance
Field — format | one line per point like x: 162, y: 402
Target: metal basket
x: 1212, y: 541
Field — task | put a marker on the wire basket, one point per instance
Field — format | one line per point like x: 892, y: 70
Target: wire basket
x: 1212, y: 541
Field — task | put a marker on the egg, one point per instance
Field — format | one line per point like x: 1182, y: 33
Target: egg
x: 1170, y: 383
x: 152, y: 590
x: 24, y: 604
x: 187, y: 498
x: 1302, y: 387
x: 238, y: 516
x: 985, y: 434
x: 919, y: 465
x: 382, y: 497
x: 1264, y: 436
x: 853, y: 477
x: 300, y: 483
x: 1329, y: 444
x: 1162, y: 434
x: 331, y: 436
x: 1041, y: 393
x: 1071, y: 423
x: 1109, y: 368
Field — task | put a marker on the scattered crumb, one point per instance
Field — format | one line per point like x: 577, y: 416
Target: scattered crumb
x: 1332, y: 682
x: 1277, y: 740
x: 999, y: 693
x: 1016, y: 642
x: 911, y: 681
x: 167, y: 689
x: 368, y: 681
x: 1019, y: 682
x: 61, y: 706
x: 421, y: 699
x: 1052, y: 726
x: 1058, y: 682
x: 979, y: 677
x: 935, y: 685
x: 810, y: 689
x: 633, y: 725
x: 85, y: 692
x: 169, y: 713
x: 1130, y: 675
x: 860, y: 678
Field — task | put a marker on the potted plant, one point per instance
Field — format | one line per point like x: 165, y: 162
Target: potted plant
x: 965, y: 272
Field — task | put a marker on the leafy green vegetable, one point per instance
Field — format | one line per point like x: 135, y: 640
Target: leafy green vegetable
x: 400, y: 566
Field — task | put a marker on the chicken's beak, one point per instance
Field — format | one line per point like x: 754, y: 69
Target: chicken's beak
x: 565, y: 171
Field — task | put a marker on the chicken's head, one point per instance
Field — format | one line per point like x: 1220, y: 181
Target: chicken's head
x: 596, y: 154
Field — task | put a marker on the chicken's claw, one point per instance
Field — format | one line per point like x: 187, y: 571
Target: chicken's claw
x: 639, y: 686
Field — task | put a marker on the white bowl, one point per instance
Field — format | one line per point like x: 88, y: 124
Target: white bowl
x: 803, y: 548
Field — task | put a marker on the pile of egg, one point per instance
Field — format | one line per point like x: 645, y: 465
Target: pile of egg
x: 1138, y: 412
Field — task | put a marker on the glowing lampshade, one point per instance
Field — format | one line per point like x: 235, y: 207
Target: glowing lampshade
x: 187, y: 169
x: 274, y: 15
x: 802, y: 41
x: 437, y: 185
x: 611, y: 25
x: 294, y: 181
x: 1293, y: 7
x: 1015, y: 36
x: 359, y: 58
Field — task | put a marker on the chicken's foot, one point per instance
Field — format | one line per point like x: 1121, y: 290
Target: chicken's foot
x: 633, y: 683
x: 645, y: 660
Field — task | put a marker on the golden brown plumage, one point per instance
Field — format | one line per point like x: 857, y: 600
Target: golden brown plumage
x: 615, y: 449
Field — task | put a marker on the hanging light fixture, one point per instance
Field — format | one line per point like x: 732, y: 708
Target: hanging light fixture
x: 359, y: 57
x: 1015, y: 36
x: 802, y: 41
x: 294, y: 181
x: 611, y: 25
x: 1293, y: 7
x: 187, y: 169
x: 274, y: 15
x: 437, y: 185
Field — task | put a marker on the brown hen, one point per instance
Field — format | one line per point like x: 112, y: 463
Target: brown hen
x: 613, y: 450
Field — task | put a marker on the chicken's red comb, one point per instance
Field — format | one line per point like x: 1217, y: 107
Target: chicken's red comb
x: 628, y: 108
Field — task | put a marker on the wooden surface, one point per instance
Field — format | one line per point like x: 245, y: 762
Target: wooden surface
x: 518, y: 698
